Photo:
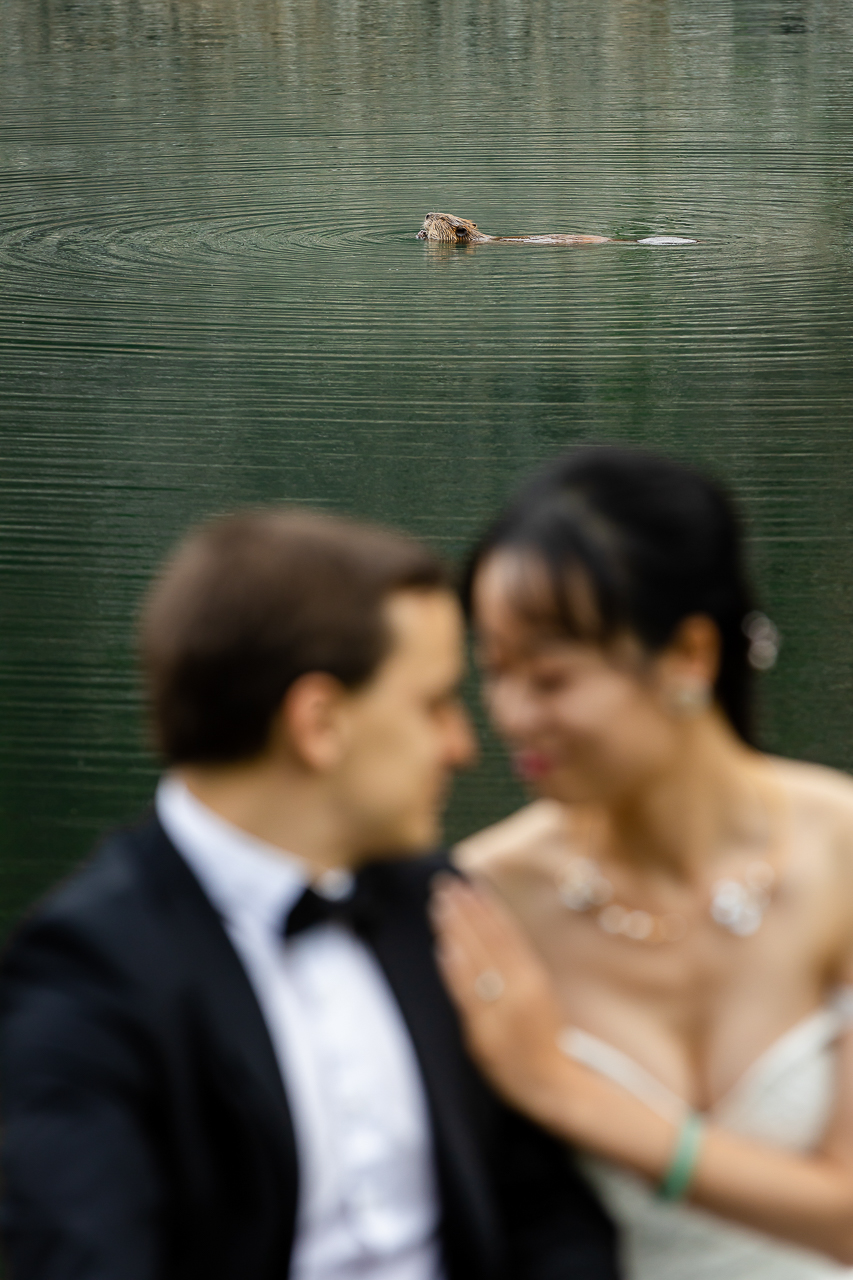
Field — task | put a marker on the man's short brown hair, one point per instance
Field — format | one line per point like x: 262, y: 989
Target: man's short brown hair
x: 248, y: 604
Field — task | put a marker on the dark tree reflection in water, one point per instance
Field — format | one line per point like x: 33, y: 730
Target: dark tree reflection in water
x: 212, y: 294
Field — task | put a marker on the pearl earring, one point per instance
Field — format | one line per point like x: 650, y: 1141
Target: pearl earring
x: 689, y: 697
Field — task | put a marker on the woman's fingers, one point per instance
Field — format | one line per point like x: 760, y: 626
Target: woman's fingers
x: 474, y: 919
x: 501, y: 989
x: 457, y: 971
x: 461, y: 955
x: 485, y: 958
x: 495, y: 927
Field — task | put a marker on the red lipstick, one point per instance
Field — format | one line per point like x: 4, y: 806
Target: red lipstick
x: 531, y: 765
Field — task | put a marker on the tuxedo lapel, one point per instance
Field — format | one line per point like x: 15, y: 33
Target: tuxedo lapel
x: 396, y: 928
x: 398, y: 932
x: 128, y: 1015
x: 229, y: 1004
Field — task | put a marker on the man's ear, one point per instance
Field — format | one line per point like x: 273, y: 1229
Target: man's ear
x: 311, y: 722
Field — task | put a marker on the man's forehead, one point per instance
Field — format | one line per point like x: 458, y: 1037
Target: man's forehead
x: 412, y: 609
x: 427, y: 626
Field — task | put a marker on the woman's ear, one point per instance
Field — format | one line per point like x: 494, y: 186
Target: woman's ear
x: 311, y: 722
x: 697, y: 645
x: 690, y: 664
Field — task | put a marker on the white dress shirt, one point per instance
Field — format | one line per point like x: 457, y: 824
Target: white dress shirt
x: 368, y: 1201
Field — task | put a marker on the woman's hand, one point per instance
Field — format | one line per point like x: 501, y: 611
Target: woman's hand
x: 503, y: 993
x: 512, y: 1021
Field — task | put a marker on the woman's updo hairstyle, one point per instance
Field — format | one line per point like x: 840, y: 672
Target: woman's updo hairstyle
x: 655, y: 542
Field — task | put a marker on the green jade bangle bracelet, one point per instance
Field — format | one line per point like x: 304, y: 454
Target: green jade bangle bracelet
x: 679, y: 1175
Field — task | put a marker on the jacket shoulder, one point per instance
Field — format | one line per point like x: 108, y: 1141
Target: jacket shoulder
x: 104, y: 913
x: 407, y: 880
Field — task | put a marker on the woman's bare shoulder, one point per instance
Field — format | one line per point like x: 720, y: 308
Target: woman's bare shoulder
x: 821, y: 805
x: 517, y: 842
x: 816, y: 787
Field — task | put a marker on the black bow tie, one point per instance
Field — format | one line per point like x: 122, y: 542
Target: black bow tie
x: 357, y: 909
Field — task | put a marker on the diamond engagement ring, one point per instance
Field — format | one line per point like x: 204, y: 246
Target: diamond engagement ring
x: 489, y: 985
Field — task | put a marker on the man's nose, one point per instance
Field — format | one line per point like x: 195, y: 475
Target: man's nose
x: 462, y: 746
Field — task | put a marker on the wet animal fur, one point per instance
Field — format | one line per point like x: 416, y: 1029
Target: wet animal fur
x: 446, y: 228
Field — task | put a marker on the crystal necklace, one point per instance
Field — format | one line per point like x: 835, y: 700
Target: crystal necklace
x: 736, y: 905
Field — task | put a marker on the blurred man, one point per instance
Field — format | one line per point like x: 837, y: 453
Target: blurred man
x: 226, y: 1057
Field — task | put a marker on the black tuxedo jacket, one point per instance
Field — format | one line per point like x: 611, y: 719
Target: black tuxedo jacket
x: 147, y: 1131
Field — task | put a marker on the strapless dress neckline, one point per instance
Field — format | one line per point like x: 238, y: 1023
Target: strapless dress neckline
x: 784, y: 1098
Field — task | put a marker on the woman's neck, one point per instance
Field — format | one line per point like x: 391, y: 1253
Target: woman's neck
x: 715, y: 798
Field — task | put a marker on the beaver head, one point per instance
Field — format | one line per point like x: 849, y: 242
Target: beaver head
x: 445, y: 228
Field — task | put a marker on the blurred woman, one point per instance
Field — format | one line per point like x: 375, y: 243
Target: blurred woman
x: 678, y: 999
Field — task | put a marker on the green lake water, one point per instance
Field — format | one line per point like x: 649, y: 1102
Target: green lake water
x: 211, y: 294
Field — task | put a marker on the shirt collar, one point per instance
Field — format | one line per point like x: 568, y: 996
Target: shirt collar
x: 239, y: 873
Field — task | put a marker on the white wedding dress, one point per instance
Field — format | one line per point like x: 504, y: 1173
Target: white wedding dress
x: 784, y: 1098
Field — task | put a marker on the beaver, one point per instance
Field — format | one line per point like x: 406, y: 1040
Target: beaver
x: 446, y: 228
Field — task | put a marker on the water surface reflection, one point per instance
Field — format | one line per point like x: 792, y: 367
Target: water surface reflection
x: 212, y: 294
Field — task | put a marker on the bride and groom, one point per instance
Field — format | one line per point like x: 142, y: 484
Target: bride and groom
x: 220, y: 1059
x: 228, y: 1047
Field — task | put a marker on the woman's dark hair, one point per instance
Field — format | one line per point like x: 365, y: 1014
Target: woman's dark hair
x: 653, y: 539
